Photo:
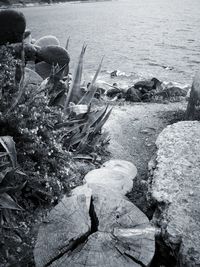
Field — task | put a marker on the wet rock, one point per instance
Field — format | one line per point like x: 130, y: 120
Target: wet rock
x: 171, y: 92
x: 194, y: 98
x: 133, y: 95
x: 47, y: 40
x: 54, y: 55
x: 99, y: 92
x: 12, y: 26
x: 174, y: 186
x: 147, y: 85
x: 113, y: 92
x: 113, y: 74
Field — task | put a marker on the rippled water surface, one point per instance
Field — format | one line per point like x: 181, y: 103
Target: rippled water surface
x: 140, y: 37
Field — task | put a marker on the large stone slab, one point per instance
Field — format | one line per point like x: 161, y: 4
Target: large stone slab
x: 175, y: 186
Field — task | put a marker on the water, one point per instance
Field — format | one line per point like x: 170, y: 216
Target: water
x: 142, y: 38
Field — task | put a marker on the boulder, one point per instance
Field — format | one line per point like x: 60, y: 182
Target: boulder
x: 53, y: 54
x: 194, y: 98
x: 113, y: 92
x: 174, y: 186
x: 147, y: 85
x: 95, y: 228
x: 43, y: 69
x: 12, y: 26
x: 133, y: 95
x: 31, y: 77
x: 47, y: 40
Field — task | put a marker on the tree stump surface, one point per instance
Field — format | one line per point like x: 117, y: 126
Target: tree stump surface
x: 95, y: 227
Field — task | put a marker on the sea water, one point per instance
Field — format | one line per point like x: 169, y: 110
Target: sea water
x: 140, y: 38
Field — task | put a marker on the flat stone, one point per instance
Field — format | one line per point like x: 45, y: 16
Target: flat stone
x: 175, y: 186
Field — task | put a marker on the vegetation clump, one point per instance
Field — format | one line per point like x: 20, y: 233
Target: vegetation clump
x: 55, y: 141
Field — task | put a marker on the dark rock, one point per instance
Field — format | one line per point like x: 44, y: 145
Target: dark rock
x: 12, y: 26
x: 133, y: 95
x: 113, y: 74
x: 171, y: 92
x: 43, y: 69
x: 147, y: 85
x: 147, y: 97
x: 113, y: 92
x: 194, y: 98
x: 53, y: 54
x: 99, y: 92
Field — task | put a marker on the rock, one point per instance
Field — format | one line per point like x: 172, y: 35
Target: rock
x: 54, y: 55
x: 147, y: 85
x: 12, y: 26
x: 113, y: 232
x: 47, y: 40
x: 111, y: 179
x: 176, y: 175
x: 113, y: 74
x: 31, y: 77
x: 113, y: 92
x: 171, y: 92
x: 43, y: 69
x: 99, y: 92
x: 133, y: 95
x: 194, y: 98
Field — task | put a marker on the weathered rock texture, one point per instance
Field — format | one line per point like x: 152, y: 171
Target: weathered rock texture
x: 96, y: 227
x: 175, y: 186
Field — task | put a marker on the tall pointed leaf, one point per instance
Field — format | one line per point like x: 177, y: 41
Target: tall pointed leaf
x: 6, y: 202
x: 102, y: 122
x: 87, y: 98
x: 74, y: 93
x: 67, y: 44
x: 9, y: 145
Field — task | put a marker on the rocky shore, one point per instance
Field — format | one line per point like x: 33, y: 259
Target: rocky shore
x: 61, y: 200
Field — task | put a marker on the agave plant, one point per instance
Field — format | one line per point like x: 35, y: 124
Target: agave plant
x: 83, y: 122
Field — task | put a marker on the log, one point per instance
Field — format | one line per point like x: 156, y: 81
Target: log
x: 112, y: 232
x: 111, y: 179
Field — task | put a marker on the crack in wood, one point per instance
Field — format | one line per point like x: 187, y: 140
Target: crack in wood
x: 78, y: 244
x: 135, y: 260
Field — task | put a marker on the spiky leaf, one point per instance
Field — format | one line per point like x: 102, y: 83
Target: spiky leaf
x: 87, y: 98
x: 74, y: 93
x: 9, y: 145
x: 6, y: 202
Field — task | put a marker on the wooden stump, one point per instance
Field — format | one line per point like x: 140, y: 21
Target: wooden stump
x: 112, y: 232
